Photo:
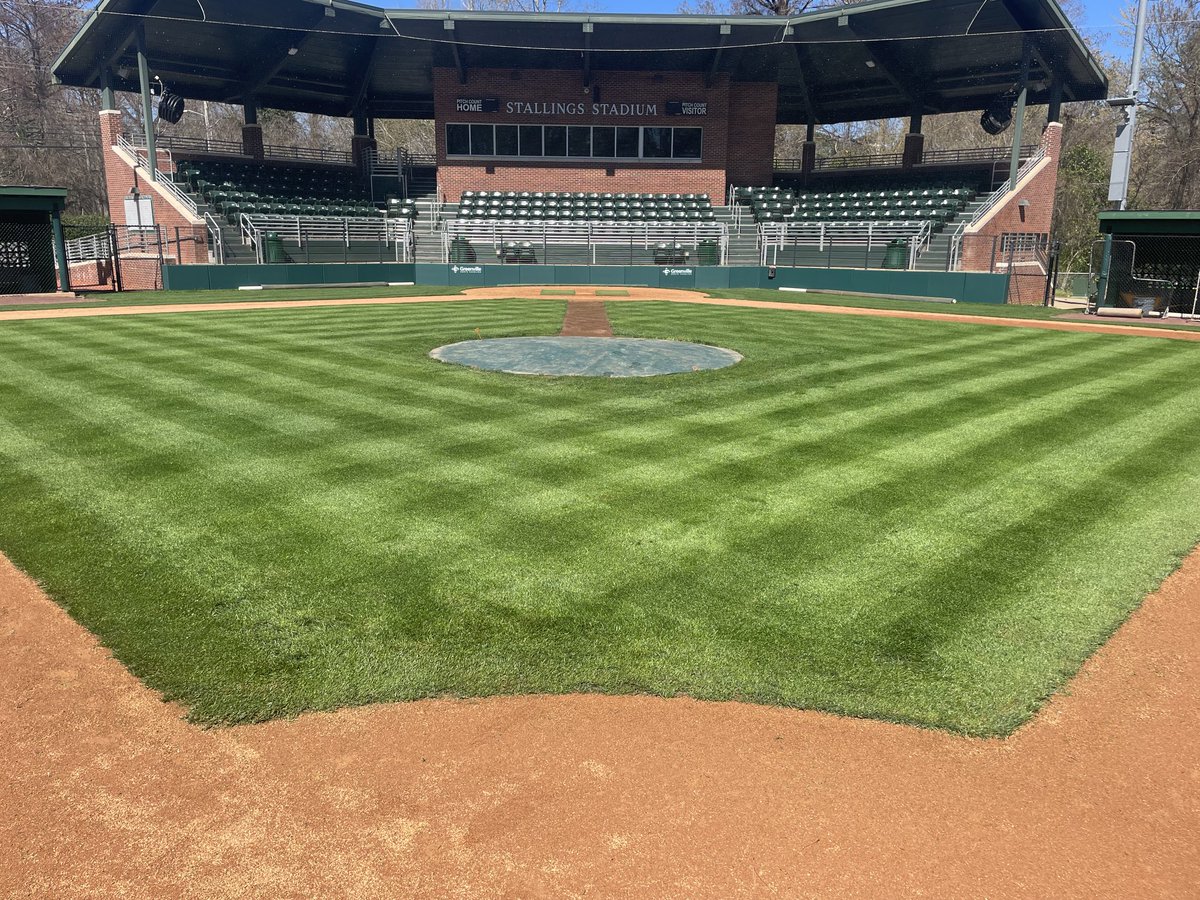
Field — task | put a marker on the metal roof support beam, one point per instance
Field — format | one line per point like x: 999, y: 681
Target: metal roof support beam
x: 108, y: 61
x: 147, y: 100
x: 880, y: 57
x: 280, y: 51
x: 587, y: 54
x: 358, y: 93
x: 810, y: 111
x: 711, y: 74
x: 448, y: 25
x: 1014, y: 162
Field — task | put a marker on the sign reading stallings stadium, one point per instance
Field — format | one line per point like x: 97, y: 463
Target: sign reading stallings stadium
x: 581, y: 108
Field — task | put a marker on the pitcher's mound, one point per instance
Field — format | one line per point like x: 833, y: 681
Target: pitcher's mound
x: 595, y: 356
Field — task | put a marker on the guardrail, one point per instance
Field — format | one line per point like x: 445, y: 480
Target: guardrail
x: 163, y: 178
x: 824, y: 237
x: 304, y: 231
x: 893, y: 160
x: 186, y: 144
x: 597, y: 238
x: 997, y: 195
x: 93, y: 246
x: 216, y: 237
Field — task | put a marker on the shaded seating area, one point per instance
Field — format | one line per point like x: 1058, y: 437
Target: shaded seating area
x: 580, y: 206
x: 233, y: 188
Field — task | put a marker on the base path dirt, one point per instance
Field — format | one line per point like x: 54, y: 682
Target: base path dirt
x: 539, y: 292
x: 586, y: 318
x: 106, y: 791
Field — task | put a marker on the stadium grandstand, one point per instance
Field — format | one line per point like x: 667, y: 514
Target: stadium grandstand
x: 567, y: 140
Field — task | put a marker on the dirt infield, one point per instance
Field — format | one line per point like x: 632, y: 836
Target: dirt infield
x: 586, y: 293
x: 586, y: 318
x: 106, y: 791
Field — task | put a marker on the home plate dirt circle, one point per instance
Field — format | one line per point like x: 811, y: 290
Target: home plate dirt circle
x: 589, y: 356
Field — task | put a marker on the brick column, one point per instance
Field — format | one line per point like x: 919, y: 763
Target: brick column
x: 252, y: 141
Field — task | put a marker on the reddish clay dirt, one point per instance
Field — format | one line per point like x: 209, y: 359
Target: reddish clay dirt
x: 586, y: 318
x: 524, y: 292
x: 106, y: 791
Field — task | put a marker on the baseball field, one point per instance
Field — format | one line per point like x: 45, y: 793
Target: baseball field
x: 265, y: 513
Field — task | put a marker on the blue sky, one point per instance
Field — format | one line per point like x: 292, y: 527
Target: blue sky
x: 1101, y: 18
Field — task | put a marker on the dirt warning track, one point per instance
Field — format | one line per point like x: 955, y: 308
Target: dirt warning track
x: 106, y: 790
x: 586, y: 293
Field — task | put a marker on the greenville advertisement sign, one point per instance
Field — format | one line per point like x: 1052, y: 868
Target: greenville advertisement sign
x: 596, y: 109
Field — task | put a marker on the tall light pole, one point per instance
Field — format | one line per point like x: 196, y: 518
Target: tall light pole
x: 1118, y: 182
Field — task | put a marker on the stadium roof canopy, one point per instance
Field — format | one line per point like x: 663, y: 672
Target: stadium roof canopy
x: 870, y: 60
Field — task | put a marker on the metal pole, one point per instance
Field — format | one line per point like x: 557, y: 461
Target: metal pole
x: 1014, y: 162
x: 147, y: 101
x: 1118, y: 182
x: 60, y: 250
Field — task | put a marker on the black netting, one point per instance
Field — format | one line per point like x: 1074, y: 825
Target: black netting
x: 26, y: 258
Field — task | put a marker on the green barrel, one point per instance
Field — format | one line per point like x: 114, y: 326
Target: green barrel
x: 897, y: 254
x: 708, y: 254
x: 273, y: 248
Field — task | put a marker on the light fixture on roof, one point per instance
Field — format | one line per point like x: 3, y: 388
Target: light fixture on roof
x: 998, y: 115
x: 292, y: 51
x: 870, y: 63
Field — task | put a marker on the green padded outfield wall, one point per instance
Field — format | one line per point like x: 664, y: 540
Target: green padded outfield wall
x: 977, y: 287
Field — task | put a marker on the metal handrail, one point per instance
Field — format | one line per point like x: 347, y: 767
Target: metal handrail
x: 162, y: 178
x: 891, y: 160
x: 302, y: 230
x: 778, y: 235
x: 998, y: 195
x: 215, y: 236
x: 593, y: 235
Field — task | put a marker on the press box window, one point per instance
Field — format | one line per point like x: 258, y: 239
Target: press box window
x: 604, y: 142
x: 629, y: 143
x: 506, y: 140
x: 686, y: 143
x: 555, y: 137
x: 531, y: 140
x: 579, y: 141
x: 458, y: 140
x: 656, y: 143
x: 482, y: 140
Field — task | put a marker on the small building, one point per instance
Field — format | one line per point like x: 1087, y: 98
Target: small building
x: 31, y: 238
x: 1155, y: 261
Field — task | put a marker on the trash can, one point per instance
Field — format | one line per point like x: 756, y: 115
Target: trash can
x: 896, y: 256
x: 273, y: 248
x: 461, y: 251
x: 708, y: 254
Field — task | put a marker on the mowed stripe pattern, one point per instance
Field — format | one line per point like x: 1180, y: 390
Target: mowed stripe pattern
x: 263, y: 513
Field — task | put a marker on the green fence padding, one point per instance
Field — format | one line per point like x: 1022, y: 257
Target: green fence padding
x: 976, y: 287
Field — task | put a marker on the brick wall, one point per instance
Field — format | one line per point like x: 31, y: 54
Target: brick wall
x: 120, y: 178
x: 1011, y: 217
x: 748, y: 126
x: 751, y: 133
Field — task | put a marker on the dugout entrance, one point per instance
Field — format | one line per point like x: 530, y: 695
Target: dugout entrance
x: 31, y: 240
x: 1153, y: 263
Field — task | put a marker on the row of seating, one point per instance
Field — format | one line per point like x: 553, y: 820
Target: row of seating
x: 233, y: 211
x: 205, y: 176
x: 586, y: 214
x: 910, y: 216
x: 748, y: 195
x: 578, y: 195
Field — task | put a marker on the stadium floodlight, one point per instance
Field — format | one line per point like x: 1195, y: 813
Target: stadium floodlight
x: 998, y: 116
x: 171, y: 107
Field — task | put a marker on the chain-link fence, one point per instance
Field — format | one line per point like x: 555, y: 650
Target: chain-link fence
x: 120, y: 257
x: 1158, y: 273
x: 1023, y: 257
x: 26, y: 256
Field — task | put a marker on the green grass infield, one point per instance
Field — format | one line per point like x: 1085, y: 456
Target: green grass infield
x: 263, y: 513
